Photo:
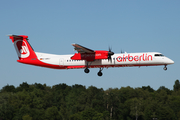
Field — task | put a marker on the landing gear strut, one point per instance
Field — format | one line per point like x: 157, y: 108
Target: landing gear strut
x: 100, y: 73
x: 165, y: 68
x: 86, y: 70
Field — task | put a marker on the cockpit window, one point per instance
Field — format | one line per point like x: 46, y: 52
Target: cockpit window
x: 159, y: 55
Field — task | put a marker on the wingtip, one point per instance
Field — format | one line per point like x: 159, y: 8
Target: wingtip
x: 9, y: 35
x: 73, y: 44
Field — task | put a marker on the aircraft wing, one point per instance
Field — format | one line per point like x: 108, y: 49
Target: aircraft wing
x: 81, y: 49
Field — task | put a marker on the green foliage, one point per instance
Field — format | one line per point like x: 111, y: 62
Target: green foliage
x: 136, y: 107
x: 63, y: 102
x: 176, y: 85
x: 6, y: 111
x: 8, y: 88
x: 148, y: 88
x: 26, y: 117
x: 52, y: 113
x: 23, y: 86
x: 165, y: 89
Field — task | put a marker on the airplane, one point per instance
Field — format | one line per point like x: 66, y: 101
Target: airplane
x: 85, y: 58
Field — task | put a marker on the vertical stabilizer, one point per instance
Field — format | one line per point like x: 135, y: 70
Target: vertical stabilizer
x: 25, y: 52
x: 23, y: 48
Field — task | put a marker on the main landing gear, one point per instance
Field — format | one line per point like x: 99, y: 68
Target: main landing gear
x: 86, y: 70
x: 100, y: 73
x: 165, y: 68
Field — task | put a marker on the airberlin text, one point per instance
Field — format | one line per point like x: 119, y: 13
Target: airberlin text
x: 130, y: 58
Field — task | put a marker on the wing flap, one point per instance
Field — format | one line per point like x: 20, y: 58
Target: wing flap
x: 81, y: 49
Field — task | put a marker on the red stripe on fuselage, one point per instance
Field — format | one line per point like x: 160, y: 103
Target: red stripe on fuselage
x: 37, y: 62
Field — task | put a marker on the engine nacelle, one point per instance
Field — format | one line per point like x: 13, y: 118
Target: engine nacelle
x: 90, y: 56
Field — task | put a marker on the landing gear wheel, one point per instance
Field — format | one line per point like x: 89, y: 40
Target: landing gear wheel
x: 165, y: 68
x: 86, y: 70
x: 100, y: 73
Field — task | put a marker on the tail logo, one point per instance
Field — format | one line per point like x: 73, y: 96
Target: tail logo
x: 22, y: 48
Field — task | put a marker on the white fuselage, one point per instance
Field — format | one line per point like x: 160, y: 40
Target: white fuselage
x: 85, y: 58
x: 118, y: 60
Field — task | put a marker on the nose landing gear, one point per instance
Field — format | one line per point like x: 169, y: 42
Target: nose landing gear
x: 165, y: 68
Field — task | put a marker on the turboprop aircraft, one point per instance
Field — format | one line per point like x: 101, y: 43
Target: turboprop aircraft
x: 85, y: 58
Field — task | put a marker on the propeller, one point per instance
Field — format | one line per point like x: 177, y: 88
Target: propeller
x: 110, y: 53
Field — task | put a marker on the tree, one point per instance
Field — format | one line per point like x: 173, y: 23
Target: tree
x: 165, y: 113
x: 148, y: 88
x: 52, y: 113
x: 76, y: 99
x: 8, y: 88
x: 75, y: 102
x: 126, y: 93
x: 63, y: 110
x: 98, y: 116
x: 161, y: 96
x: 4, y: 97
x: 24, y: 112
x: 150, y: 110
x: 26, y: 117
x: 176, y: 85
x: 23, y: 86
x: 39, y: 86
x: 136, y: 107
x: 91, y: 114
x: 165, y: 89
x: 113, y: 103
x: 174, y: 104
x: 95, y: 99
x: 6, y: 111
x: 76, y: 116
x: 37, y: 114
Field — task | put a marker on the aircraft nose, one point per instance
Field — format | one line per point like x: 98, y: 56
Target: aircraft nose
x: 170, y: 61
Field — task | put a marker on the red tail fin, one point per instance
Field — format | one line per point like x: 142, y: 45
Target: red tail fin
x: 23, y: 48
x: 25, y: 52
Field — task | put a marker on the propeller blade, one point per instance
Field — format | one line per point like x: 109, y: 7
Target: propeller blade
x: 110, y: 53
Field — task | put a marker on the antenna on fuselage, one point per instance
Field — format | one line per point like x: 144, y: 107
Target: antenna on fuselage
x: 123, y: 52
